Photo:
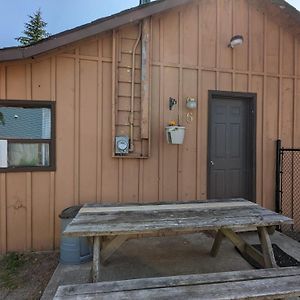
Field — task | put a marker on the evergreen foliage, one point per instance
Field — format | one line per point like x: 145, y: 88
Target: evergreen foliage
x: 34, y: 30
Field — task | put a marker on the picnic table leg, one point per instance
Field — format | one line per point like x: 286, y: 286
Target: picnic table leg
x: 96, y: 259
x: 244, y: 248
x: 217, y: 244
x: 266, y: 246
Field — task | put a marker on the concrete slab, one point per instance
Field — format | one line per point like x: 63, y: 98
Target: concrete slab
x: 165, y: 256
x: 64, y: 275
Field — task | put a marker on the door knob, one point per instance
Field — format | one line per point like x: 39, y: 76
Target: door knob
x: 212, y: 163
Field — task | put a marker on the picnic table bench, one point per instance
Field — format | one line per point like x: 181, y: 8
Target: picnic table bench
x: 252, y: 284
x: 227, y: 217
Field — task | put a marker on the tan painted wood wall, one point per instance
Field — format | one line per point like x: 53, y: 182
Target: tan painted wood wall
x: 189, y: 57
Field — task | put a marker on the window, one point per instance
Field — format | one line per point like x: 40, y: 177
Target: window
x: 27, y: 130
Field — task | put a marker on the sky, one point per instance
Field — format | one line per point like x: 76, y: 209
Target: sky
x: 59, y: 14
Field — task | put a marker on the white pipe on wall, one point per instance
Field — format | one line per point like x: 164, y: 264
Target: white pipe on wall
x: 131, y: 146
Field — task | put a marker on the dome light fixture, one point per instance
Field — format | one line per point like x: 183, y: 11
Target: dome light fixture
x: 236, y: 41
x: 191, y: 103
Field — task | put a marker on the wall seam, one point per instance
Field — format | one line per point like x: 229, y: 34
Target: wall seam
x: 52, y: 174
x: 295, y: 91
x: 264, y: 105
x: 217, y: 45
x: 233, y: 52
x: 29, y: 227
x: 3, y: 181
x: 180, y: 108
x: 161, y: 111
x: 77, y: 129
x: 199, y: 108
x: 99, y: 121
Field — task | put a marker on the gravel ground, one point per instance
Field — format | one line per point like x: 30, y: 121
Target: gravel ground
x: 25, y: 275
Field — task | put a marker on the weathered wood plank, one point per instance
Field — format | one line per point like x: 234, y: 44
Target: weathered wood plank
x: 178, y: 214
x: 134, y: 222
x: 112, y: 247
x: 267, y: 249
x: 165, y: 207
x: 167, y: 226
x: 145, y: 80
x: 168, y: 203
x: 255, y: 289
x: 185, y: 282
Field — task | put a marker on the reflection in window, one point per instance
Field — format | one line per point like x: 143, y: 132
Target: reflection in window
x: 25, y: 123
x: 28, y: 155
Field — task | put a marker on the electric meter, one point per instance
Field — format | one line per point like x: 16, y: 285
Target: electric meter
x: 122, y: 145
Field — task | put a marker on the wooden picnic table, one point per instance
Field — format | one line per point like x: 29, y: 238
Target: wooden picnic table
x: 227, y: 217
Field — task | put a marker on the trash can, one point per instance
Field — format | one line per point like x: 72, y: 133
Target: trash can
x: 73, y: 250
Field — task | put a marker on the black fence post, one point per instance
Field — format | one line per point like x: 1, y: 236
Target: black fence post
x: 278, y: 174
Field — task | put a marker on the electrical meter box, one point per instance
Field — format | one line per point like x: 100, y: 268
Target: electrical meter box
x: 122, y: 145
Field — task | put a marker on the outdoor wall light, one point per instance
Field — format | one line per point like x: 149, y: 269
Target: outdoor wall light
x: 191, y: 103
x: 236, y: 41
x: 172, y: 103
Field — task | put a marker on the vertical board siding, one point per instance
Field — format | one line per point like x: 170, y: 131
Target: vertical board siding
x: 88, y: 131
x: 209, y: 32
x: 189, y: 57
x: 257, y: 40
x: 16, y: 184
x: 151, y: 165
x: 16, y: 82
x: 209, y: 80
x: 109, y: 165
x: 225, y: 33
x: 241, y: 26
x: 40, y: 182
x: 190, y: 36
x: 288, y: 56
x: 171, y: 37
x: 41, y: 72
x: 170, y: 152
x: 257, y: 83
x: 189, y: 149
x: 273, y: 47
x: 65, y: 134
x: 41, y: 211
x: 16, y: 212
x: 270, y: 119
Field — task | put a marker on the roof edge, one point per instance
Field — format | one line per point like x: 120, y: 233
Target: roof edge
x: 88, y: 30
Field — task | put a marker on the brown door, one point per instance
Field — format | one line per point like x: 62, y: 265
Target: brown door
x: 230, y: 146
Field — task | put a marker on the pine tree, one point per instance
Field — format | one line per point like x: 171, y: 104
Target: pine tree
x: 34, y: 30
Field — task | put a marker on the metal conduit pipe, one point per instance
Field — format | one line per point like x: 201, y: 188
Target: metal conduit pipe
x: 131, y: 146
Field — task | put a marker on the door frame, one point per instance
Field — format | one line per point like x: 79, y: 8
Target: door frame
x: 251, y: 98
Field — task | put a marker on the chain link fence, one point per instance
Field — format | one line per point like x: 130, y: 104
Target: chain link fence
x: 288, y: 191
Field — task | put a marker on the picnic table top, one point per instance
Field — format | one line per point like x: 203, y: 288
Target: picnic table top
x: 104, y: 220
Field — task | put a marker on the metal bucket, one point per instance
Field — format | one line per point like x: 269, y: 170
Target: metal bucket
x: 73, y: 250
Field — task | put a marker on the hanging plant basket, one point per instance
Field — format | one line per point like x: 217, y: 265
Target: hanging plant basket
x: 175, y: 134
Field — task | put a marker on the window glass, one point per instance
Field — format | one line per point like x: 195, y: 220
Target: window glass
x: 28, y: 155
x: 25, y: 123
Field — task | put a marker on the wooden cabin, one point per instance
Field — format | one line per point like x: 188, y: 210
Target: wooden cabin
x: 110, y: 88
